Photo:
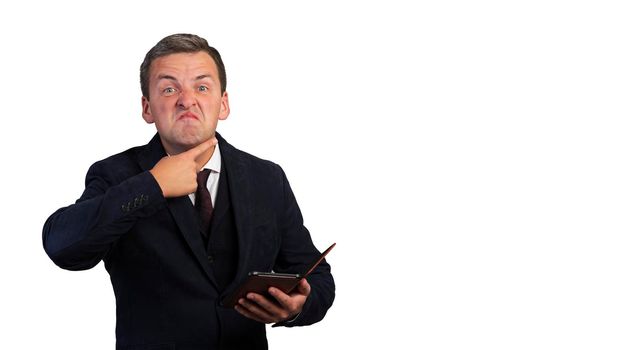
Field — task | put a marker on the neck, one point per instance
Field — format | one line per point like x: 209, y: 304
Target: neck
x: 205, y: 157
x: 201, y: 160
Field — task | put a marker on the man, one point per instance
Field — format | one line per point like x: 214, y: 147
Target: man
x: 176, y: 239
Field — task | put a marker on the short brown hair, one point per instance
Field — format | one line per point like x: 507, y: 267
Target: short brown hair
x: 179, y: 43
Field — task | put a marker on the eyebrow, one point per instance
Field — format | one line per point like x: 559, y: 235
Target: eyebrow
x: 203, y: 76
x: 165, y: 76
x: 170, y: 77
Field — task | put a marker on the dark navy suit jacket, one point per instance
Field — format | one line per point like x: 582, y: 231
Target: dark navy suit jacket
x: 166, y: 294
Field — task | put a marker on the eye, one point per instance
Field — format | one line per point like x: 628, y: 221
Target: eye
x: 203, y: 88
x: 169, y: 91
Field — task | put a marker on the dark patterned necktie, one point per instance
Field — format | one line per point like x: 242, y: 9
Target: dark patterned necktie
x: 203, y: 202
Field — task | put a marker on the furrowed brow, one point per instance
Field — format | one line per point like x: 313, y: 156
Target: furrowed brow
x: 167, y: 77
x: 203, y: 76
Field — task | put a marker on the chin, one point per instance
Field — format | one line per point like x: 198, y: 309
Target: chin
x: 189, y: 141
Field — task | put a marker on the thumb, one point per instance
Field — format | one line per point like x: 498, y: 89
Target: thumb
x: 304, y: 287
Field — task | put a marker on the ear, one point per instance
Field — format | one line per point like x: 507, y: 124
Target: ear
x: 224, y: 112
x: 146, y: 111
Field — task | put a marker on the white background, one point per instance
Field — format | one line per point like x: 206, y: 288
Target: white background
x: 468, y: 157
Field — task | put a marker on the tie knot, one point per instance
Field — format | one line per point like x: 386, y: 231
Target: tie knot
x: 202, y: 177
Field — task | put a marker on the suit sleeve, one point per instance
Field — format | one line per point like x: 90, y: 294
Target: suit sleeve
x: 77, y: 237
x: 296, y: 253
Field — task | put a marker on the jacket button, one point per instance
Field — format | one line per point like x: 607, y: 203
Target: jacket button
x: 210, y: 258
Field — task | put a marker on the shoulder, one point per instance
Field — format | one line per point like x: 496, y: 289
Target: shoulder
x: 120, y: 166
x: 238, y: 158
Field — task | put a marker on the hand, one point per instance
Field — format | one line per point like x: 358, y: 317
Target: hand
x: 177, y: 175
x: 284, y: 307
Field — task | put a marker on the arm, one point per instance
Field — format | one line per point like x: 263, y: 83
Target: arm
x: 77, y: 237
x: 299, y: 251
x: 312, y: 298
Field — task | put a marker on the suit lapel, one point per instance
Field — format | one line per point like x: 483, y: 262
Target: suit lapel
x: 240, y: 195
x: 187, y: 219
x: 151, y: 153
x: 180, y: 208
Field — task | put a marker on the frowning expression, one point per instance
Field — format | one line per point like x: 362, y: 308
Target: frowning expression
x: 185, y: 100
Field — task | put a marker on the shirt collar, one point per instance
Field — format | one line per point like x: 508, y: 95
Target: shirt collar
x: 214, y: 163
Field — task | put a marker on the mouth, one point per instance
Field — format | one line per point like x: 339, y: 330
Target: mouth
x: 188, y: 115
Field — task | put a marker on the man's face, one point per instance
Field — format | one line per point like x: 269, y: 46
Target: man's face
x: 185, y: 100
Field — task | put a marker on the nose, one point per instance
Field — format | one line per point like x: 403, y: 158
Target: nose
x: 186, y: 99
